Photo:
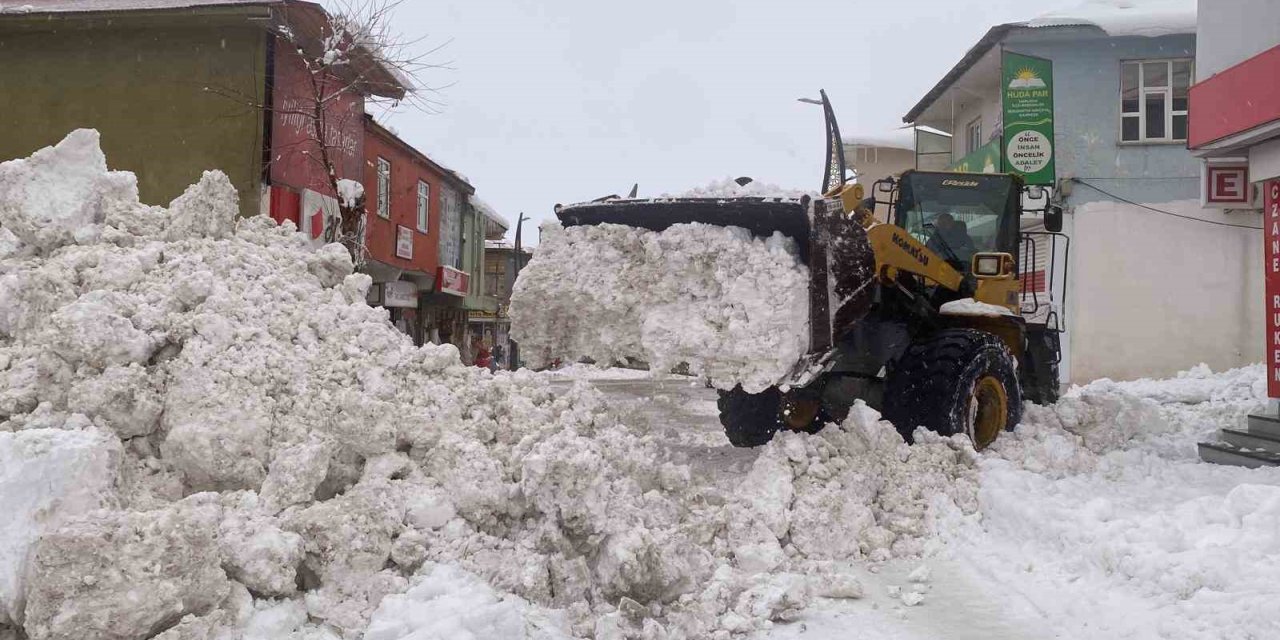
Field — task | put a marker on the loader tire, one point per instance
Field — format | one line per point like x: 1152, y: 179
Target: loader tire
x: 955, y: 381
x: 750, y: 419
x: 1040, y: 375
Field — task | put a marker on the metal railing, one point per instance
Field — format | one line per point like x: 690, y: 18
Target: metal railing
x: 1052, y: 301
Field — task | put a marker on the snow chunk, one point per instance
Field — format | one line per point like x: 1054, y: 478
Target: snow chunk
x: 256, y: 552
x: 971, y: 307
x: 56, y: 196
x: 733, y: 307
x: 207, y: 209
x: 350, y: 192
x: 96, y: 330
x: 448, y: 602
x: 9, y: 243
x: 126, y: 574
x: 1126, y: 17
x: 47, y: 477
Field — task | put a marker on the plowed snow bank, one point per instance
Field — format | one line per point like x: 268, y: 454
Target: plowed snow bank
x: 274, y: 459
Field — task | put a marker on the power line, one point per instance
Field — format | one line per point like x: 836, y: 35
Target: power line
x: 1167, y: 213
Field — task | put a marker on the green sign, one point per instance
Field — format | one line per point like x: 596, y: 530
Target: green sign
x: 984, y: 159
x: 1027, y: 98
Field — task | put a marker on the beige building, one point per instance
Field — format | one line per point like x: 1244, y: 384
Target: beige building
x: 874, y: 158
x: 878, y: 157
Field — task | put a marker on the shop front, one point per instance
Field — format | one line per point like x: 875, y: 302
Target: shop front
x: 444, y: 311
x: 1235, y: 129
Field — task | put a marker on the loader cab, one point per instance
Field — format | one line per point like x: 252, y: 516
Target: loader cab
x: 959, y: 214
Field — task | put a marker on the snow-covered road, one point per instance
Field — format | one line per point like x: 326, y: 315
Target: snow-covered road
x: 1121, y: 533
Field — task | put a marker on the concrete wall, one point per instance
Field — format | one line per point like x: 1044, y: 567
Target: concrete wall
x: 1231, y: 31
x: 1154, y: 294
x: 141, y: 83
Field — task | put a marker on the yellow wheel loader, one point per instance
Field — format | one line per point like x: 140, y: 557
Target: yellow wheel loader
x: 922, y: 316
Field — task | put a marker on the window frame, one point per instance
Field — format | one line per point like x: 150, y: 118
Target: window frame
x: 424, y: 206
x: 973, y: 135
x: 384, y: 188
x: 1165, y: 92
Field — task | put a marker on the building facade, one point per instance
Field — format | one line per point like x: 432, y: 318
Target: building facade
x: 1235, y: 131
x: 877, y: 157
x: 500, y: 267
x: 408, y: 199
x: 176, y: 91
x: 1156, y: 282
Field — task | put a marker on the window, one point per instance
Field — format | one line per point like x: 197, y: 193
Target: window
x: 384, y: 187
x: 1153, y: 100
x: 424, y: 200
x: 450, y: 229
x: 973, y: 136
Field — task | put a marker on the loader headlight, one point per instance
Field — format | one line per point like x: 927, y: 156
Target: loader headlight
x: 987, y: 264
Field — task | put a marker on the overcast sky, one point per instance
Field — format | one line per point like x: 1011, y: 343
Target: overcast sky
x: 568, y: 100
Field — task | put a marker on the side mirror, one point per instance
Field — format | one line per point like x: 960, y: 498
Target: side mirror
x: 1053, y: 219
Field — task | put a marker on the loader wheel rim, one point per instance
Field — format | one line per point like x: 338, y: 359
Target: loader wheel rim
x: 797, y: 413
x: 988, y: 411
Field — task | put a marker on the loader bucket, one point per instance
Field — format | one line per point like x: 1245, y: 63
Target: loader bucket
x: 760, y: 216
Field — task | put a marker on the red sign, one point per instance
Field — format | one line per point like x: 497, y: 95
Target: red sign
x: 1271, y: 206
x: 452, y: 281
x: 1236, y: 99
x: 1227, y: 184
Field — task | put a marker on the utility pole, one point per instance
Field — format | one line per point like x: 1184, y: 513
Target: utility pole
x: 517, y: 259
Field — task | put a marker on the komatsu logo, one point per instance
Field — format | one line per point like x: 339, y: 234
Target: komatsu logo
x: 959, y: 183
x: 911, y: 250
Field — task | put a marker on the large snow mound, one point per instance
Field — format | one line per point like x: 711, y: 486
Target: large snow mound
x: 733, y: 307
x: 207, y: 433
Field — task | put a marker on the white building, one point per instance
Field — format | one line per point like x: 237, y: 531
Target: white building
x: 1156, y: 282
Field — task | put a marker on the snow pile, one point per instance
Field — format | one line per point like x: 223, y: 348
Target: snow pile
x: 1126, y: 17
x: 207, y: 433
x: 729, y: 188
x: 855, y: 491
x: 1099, y: 513
x: 733, y: 307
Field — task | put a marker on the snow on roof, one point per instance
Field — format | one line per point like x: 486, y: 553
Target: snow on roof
x: 1126, y: 17
x: 489, y: 212
x: 504, y: 244
x: 891, y: 139
x: 87, y: 6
